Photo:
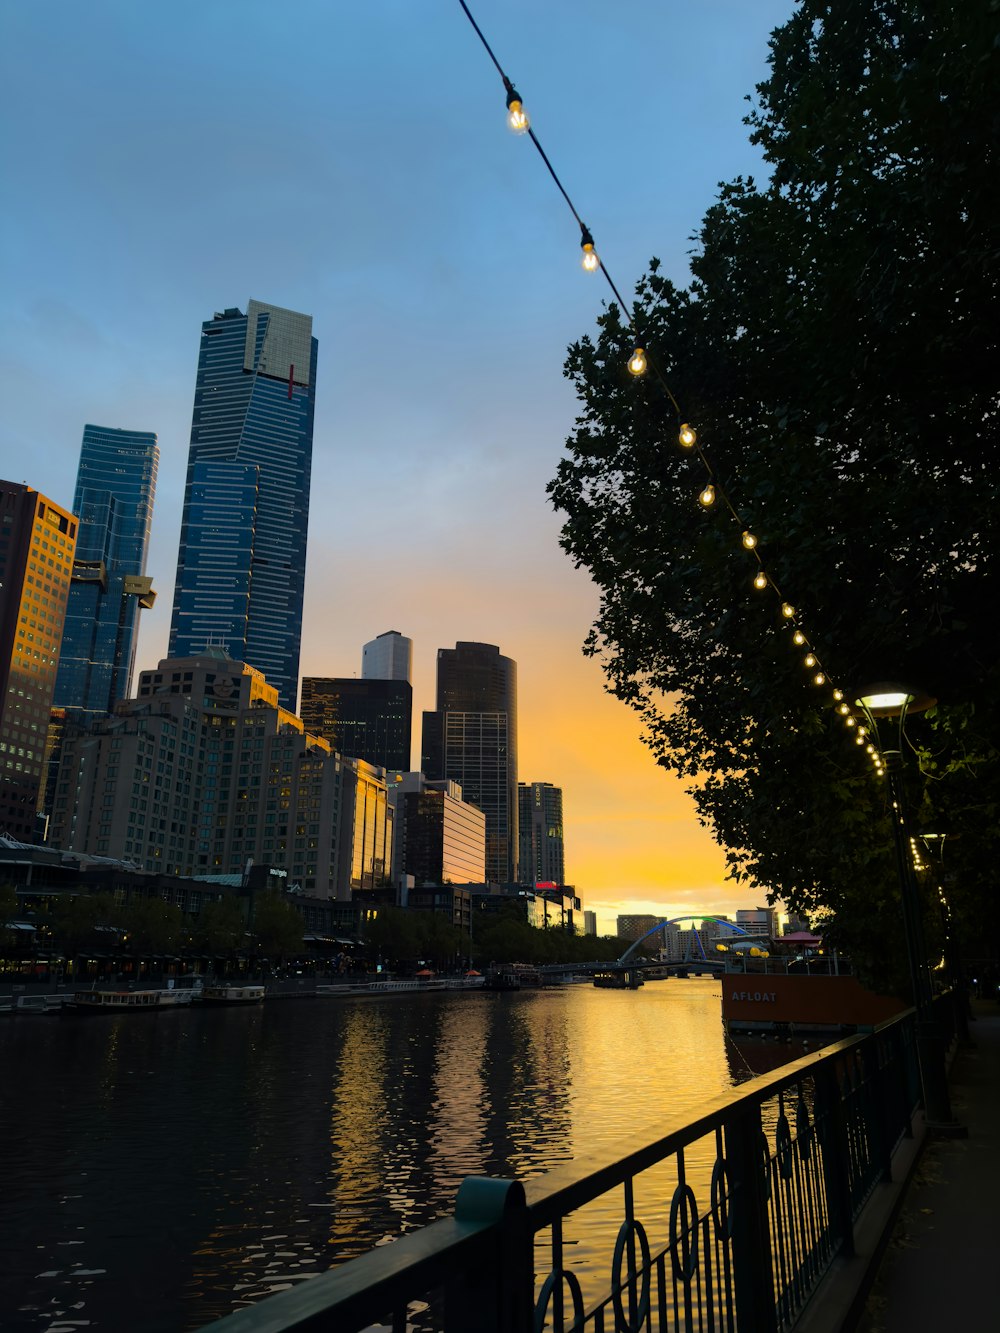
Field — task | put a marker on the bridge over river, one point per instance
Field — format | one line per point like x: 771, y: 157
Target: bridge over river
x: 694, y: 963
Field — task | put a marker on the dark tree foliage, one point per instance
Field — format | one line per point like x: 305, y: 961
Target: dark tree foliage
x: 837, y: 351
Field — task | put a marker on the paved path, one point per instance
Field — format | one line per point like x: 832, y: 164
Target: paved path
x: 942, y: 1264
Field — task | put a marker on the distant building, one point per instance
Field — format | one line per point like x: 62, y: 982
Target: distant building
x: 115, y: 488
x: 366, y: 719
x: 242, y: 555
x: 590, y: 923
x: 205, y: 773
x: 540, y: 833
x: 439, y: 838
x: 388, y: 657
x: 471, y: 738
x: 37, y: 546
x: 758, y: 921
x: 633, y: 927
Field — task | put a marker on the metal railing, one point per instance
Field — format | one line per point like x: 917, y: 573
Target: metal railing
x: 725, y: 1223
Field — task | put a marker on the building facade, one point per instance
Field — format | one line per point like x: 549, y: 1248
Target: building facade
x: 113, y: 502
x: 242, y: 554
x: 471, y: 739
x: 366, y: 719
x: 37, y: 547
x: 204, y: 773
x: 540, y: 832
x: 388, y: 657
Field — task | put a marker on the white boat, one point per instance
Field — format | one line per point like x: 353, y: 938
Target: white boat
x: 232, y: 994
x: 126, y: 1001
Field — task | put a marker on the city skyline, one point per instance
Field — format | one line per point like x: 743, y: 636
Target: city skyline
x: 383, y: 194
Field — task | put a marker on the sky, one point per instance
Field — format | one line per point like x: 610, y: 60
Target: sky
x: 351, y: 161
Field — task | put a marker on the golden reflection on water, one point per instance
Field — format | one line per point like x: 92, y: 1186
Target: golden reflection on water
x: 269, y: 1145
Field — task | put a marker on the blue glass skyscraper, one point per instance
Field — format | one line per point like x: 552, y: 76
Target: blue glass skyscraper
x: 115, y: 488
x: 242, y: 556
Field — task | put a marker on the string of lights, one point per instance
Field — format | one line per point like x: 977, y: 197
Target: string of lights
x: 713, y: 494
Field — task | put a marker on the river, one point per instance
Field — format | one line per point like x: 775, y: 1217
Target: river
x: 164, y: 1169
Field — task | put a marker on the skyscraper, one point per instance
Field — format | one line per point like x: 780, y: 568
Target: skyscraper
x: 387, y: 657
x: 37, y: 541
x: 364, y: 719
x: 241, y: 561
x: 540, y: 828
x: 115, y: 486
x: 471, y: 738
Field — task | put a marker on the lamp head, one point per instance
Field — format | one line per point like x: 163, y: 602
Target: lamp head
x: 893, y: 699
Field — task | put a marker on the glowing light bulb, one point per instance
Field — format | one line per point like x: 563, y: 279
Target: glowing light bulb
x: 810, y: 659
x: 787, y: 610
x: 851, y: 721
x: 798, y: 637
x: 760, y: 581
x: 862, y: 731
x: 517, y: 117
x: 749, y: 540
x: 838, y: 695
x: 687, y: 438
x: 819, y: 678
x: 590, y: 261
x: 859, y: 740
x: 707, y: 497
x: 637, y: 362
x: 870, y: 748
x: 843, y: 708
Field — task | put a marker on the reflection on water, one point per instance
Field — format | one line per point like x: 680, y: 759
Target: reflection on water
x: 164, y: 1169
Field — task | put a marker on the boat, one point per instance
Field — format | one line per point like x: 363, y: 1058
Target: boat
x: 126, y: 1001
x: 501, y: 978
x: 795, y: 1002
x: 627, y: 978
x: 232, y: 994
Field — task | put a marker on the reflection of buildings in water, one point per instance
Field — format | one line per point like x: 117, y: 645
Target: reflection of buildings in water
x: 526, y: 1078
x: 456, y: 1129
x: 358, y: 1107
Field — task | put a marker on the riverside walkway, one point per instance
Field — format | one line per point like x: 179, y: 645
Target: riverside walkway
x: 937, y: 1269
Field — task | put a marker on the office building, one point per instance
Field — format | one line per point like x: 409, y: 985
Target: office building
x: 204, y: 773
x: 540, y: 833
x: 388, y: 657
x: 635, y: 927
x: 242, y: 555
x: 445, y: 836
x: 758, y: 921
x: 366, y: 719
x: 113, y: 502
x: 590, y: 923
x: 37, y: 545
x: 471, y: 739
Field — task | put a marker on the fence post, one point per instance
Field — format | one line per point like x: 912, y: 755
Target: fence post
x: 832, y: 1127
x: 753, y: 1276
x: 498, y: 1295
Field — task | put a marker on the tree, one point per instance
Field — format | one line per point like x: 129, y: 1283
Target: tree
x: 220, y: 927
x: 836, y: 350
x: 76, y: 918
x: 277, y: 928
x: 152, y: 926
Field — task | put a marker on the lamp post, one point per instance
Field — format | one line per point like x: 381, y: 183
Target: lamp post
x: 892, y: 700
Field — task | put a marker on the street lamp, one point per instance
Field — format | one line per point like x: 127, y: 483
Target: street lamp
x: 889, y: 699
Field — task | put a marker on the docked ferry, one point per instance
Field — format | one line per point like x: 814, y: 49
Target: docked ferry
x: 126, y: 1001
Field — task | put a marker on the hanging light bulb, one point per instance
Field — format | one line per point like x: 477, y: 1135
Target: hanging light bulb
x: 787, y: 610
x: 819, y: 678
x: 637, y: 362
x: 590, y: 261
x: 517, y: 117
x: 862, y: 731
x: 859, y: 740
x: 870, y: 748
x: 760, y: 581
x: 799, y: 638
x: 851, y: 721
x: 843, y: 709
x: 707, y: 497
x: 810, y: 659
x: 749, y: 540
x: 687, y: 438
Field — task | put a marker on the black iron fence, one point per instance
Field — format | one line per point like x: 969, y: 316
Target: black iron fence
x: 726, y: 1223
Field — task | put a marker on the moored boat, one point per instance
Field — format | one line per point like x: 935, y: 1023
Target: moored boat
x: 801, y: 1002
x: 125, y: 1001
x: 232, y: 994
